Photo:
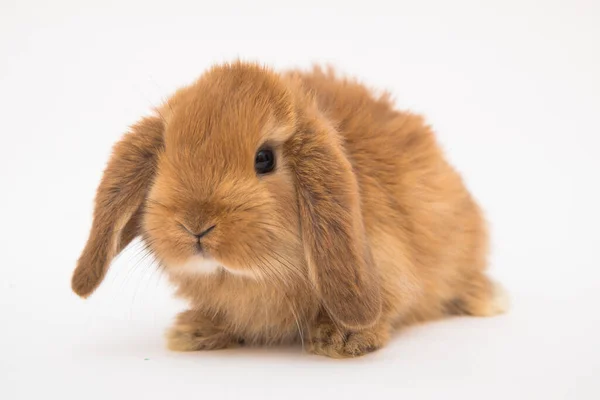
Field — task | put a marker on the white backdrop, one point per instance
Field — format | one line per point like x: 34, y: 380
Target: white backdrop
x: 512, y: 87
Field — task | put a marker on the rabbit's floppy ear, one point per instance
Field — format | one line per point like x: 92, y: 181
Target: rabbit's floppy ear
x: 338, y: 254
x: 119, y: 201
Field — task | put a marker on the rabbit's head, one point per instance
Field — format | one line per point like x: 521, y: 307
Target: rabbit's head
x: 239, y: 173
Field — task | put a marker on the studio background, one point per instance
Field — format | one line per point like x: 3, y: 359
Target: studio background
x: 511, y: 87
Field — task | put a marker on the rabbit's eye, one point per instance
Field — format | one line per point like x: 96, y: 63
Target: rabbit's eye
x: 264, y: 162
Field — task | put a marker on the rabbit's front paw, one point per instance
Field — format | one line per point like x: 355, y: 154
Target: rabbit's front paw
x: 193, y: 332
x: 194, y: 338
x: 331, y: 341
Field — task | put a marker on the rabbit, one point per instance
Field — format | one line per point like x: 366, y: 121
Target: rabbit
x: 292, y: 207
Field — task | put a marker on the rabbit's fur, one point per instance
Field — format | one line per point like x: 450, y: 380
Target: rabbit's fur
x: 362, y: 227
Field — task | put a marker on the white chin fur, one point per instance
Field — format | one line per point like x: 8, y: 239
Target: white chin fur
x: 198, y: 265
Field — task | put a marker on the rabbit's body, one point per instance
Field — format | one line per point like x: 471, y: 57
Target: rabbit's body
x: 362, y: 183
x: 428, y: 235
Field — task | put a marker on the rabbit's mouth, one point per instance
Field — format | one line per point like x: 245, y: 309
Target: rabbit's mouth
x: 202, y: 265
x: 199, y: 265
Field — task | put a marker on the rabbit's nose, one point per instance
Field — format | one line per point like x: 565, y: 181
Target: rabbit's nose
x: 198, y: 235
x: 204, y: 233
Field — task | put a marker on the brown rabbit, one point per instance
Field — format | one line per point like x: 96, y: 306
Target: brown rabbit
x: 292, y: 207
